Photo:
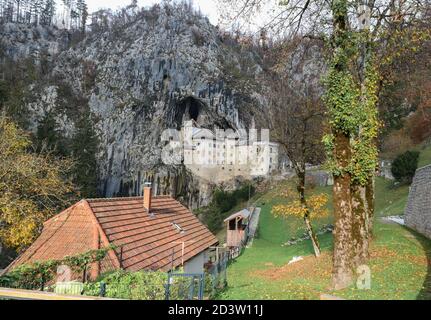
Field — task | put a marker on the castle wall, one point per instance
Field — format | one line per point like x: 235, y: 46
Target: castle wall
x: 418, y: 210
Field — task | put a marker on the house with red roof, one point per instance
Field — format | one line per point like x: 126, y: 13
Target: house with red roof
x: 148, y: 233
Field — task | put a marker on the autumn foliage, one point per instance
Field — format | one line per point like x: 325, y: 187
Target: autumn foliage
x: 32, y: 187
x: 316, y: 206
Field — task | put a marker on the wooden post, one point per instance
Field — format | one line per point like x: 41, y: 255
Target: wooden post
x: 183, y: 244
x: 227, y: 233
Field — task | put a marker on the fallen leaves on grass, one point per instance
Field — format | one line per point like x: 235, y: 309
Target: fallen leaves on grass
x: 318, y: 267
x: 313, y: 270
x: 389, y: 254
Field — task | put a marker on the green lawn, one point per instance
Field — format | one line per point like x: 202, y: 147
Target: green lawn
x: 425, y: 157
x: 399, y: 262
x: 390, y: 200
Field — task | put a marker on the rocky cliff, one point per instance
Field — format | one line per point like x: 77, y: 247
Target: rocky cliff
x: 137, y: 78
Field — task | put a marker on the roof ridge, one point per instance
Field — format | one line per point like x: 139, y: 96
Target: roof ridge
x: 125, y: 198
x: 102, y: 233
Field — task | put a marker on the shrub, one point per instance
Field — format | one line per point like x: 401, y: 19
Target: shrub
x: 35, y: 276
x: 223, y: 202
x: 211, y: 216
x: 143, y: 285
x: 31, y: 276
x: 405, y: 165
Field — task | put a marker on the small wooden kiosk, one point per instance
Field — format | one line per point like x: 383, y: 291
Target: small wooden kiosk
x: 237, y: 228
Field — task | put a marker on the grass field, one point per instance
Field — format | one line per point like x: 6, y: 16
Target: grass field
x: 390, y: 200
x: 425, y: 156
x: 399, y: 257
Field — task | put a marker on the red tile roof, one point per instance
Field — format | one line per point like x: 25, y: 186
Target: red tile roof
x: 144, y: 240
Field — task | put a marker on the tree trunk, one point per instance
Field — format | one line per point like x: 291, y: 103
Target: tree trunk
x: 363, y: 215
x: 300, y: 172
x: 360, y: 234
x: 370, y: 198
x: 313, y: 236
x: 342, y: 254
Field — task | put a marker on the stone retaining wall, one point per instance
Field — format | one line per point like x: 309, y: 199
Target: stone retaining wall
x: 418, y: 209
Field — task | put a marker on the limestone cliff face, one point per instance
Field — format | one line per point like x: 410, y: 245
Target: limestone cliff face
x: 21, y: 41
x: 141, y: 77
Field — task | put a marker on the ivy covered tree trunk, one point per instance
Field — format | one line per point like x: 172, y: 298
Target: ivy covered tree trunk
x: 341, y: 99
x: 360, y: 231
x: 370, y: 199
x: 342, y: 254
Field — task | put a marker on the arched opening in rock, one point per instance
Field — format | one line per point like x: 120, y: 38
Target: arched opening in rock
x: 190, y: 109
x: 194, y: 111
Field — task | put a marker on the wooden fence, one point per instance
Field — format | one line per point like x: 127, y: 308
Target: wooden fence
x: 20, y: 294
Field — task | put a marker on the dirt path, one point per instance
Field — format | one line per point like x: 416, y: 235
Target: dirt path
x: 254, y: 222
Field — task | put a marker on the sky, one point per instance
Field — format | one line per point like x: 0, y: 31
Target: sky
x: 208, y: 7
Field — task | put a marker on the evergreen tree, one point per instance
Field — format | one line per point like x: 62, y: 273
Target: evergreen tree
x: 405, y: 165
x: 48, y: 12
x: 84, y: 148
x: 82, y: 10
x: 48, y: 138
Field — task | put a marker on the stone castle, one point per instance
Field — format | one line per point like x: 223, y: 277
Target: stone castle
x: 223, y: 155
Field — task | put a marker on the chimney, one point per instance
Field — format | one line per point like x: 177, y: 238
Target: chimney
x: 147, y: 196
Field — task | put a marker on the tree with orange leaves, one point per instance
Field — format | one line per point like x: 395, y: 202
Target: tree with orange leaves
x: 308, y: 209
x: 33, y: 187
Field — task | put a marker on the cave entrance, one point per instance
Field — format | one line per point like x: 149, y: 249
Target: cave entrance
x: 190, y: 109
x: 194, y: 111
